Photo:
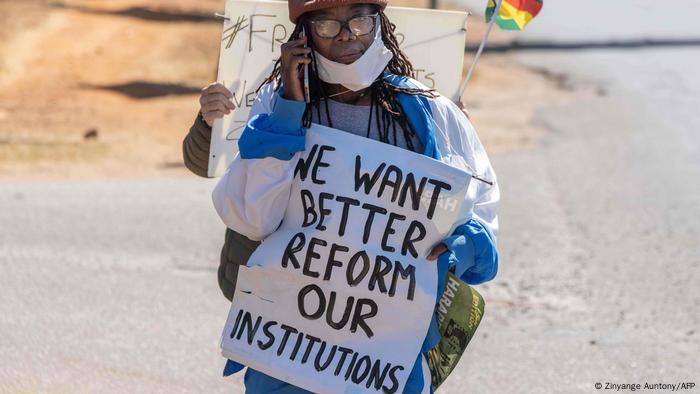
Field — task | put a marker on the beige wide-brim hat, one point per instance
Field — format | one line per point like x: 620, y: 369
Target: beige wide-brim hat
x: 299, y: 7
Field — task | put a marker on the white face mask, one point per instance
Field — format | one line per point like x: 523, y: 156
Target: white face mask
x: 362, y: 72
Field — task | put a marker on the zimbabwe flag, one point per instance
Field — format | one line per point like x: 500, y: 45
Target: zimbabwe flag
x: 513, y: 14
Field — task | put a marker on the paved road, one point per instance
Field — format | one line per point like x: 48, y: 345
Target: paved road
x: 110, y: 286
x: 601, y: 229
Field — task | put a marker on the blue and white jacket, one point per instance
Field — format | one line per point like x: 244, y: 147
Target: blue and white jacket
x: 251, y: 198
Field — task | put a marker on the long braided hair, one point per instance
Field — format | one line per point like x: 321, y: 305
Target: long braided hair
x: 385, y: 109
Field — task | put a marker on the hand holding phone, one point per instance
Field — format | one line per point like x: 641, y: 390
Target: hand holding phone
x: 294, y: 57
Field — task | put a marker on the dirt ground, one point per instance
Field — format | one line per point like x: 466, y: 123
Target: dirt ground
x: 108, y: 89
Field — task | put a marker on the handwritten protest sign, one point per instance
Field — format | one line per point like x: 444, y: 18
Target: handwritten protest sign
x: 433, y: 41
x: 340, y: 297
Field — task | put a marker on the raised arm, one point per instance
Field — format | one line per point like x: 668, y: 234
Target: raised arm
x: 215, y: 102
x: 252, y: 197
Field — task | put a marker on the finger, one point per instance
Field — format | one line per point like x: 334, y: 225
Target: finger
x: 210, y: 116
x: 300, y: 51
x: 210, y: 96
x: 217, y: 88
x: 293, y: 67
x: 301, y: 40
x: 209, y: 86
x: 216, y: 106
x: 437, y: 251
x: 217, y: 97
x: 299, y: 60
x: 294, y: 43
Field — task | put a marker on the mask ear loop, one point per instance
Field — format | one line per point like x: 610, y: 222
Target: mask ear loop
x: 377, y: 28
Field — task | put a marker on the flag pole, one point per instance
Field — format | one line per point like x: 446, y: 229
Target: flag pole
x: 496, y: 10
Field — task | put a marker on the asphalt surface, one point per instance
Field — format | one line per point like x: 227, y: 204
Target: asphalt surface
x: 601, y: 232
x: 110, y: 286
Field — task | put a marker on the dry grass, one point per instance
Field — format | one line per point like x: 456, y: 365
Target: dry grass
x: 63, y: 66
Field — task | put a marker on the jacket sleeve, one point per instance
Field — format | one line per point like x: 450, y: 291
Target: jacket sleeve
x: 457, y: 139
x: 472, y: 246
x: 252, y: 196
x: 195, y: 147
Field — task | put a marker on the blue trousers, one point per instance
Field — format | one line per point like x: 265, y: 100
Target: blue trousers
x: 259, y: 383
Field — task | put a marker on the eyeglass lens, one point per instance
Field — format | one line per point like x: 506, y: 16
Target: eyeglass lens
x: 330, y: 28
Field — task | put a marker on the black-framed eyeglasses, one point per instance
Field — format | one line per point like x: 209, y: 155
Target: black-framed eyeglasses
x: 330, y: 28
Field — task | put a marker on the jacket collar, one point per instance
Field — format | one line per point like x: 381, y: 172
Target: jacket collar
x: 417, y: 110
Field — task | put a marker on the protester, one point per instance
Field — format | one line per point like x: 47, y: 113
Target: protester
x: 359, y: 82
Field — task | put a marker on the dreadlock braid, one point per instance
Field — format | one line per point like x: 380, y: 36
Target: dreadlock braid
x: 399, y: 64
x: 384, y: 96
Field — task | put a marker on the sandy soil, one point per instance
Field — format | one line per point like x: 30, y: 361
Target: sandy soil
x: 95, y: 89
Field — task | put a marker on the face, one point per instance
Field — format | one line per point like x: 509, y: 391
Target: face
x: 346, y: 47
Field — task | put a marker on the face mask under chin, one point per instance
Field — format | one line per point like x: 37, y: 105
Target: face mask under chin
x: 359, y: 74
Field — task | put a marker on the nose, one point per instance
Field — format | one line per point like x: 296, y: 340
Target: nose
x: 346, y: 34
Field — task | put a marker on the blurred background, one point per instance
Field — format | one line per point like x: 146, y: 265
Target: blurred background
x: 109, y: 245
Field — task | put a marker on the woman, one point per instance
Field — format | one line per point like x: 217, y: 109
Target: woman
x: 360, y: 83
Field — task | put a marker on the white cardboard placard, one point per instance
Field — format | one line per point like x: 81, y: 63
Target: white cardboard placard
x: 361, y: 218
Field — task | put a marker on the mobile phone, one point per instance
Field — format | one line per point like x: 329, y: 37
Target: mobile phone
x: 307, y: 95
